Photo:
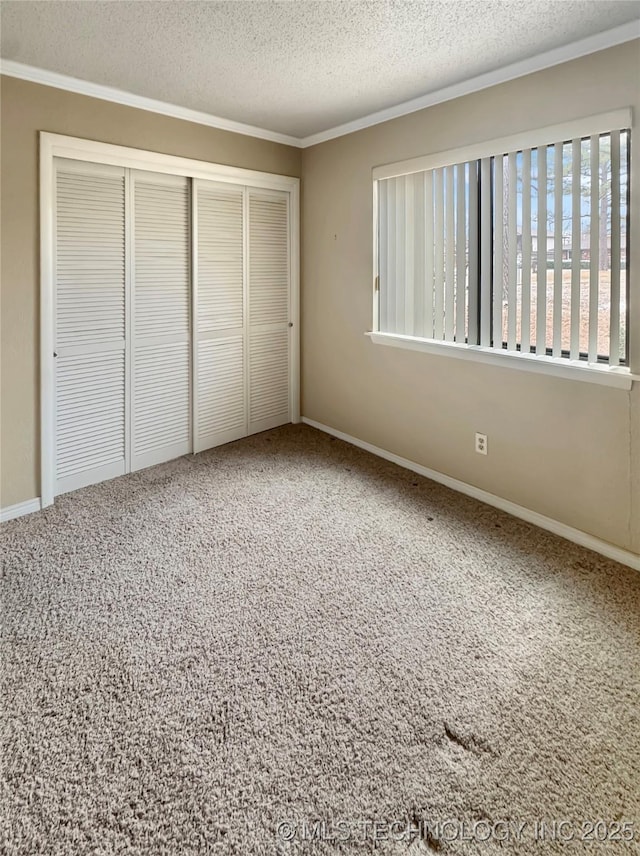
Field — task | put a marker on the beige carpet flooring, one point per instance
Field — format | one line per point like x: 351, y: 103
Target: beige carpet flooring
x: 265, y: 648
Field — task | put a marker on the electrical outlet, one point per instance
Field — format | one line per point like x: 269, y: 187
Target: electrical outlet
x: 481, y: 444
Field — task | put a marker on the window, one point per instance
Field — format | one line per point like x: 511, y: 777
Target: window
x: 518, y: 247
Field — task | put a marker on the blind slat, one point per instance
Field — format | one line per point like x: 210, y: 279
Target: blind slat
x: 429, y: 255
x: 541, y: 254
x: 383, y: 254
x: 391, y: 258
x: 409, y: 273
x: 525, y: 336
x: 472, y: 336
x: 450, y: 254
x: 439, y: 252
x: 512, y: 305
x: 461, y: 253
x: 485, y: 253
x: 401, y: 255
x: 419, y: 239
x: 576, y: 249
x: 557, y: 250
x: 498, y: 252
x: 614, y: 334
x: 594, y: 248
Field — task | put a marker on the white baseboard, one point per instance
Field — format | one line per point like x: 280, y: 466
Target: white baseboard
x: 625, y: 557
x: 576, y: 535
x: 20, y: 509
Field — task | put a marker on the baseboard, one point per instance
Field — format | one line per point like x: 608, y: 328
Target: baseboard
x: 625, y: 557
x: 20, y: 509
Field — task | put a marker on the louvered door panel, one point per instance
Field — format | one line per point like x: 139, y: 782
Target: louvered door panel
x: 221, y: 399
x: 89, y: 264
x: 161, y: 423
x: 162, y: 400
x: 219, y: 365
x: 220, y: 257
x: 269, y: 258
x: 89, y: 424
x: 269, y: 379
x: 269, y: 296
x: 161, y: 236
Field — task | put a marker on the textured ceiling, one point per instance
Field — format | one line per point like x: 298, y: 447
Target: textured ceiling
x: 293, y: 67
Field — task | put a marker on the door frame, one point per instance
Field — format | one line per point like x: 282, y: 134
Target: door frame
x: 75, y: 148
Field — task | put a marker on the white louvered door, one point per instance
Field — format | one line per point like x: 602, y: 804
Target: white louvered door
x: 89, y: 338
x: 268, y: 310
x: 172, y: 308
x: 161, y: 319
x: 220, y: 410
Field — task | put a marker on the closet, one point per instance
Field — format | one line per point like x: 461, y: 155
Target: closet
x: 172, y: 316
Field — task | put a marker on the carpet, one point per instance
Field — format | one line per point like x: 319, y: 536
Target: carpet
x: 287, y: 645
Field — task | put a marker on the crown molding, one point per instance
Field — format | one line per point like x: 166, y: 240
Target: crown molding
x: 129, y: 99
x: 574, y: 50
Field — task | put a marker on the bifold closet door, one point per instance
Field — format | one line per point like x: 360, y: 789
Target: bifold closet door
x: 160, y: 380
x: 219, y: 383
x: 89, y: 349
x: 172, y: 311
x: 269, y: 309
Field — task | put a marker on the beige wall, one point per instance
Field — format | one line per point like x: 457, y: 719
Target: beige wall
x: 26, y: 109
x: 566, y: 449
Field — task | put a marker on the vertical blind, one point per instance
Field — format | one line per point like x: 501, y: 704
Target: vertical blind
x: 525, y: 250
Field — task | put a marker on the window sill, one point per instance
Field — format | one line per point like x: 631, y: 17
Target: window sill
x: 621, y: 377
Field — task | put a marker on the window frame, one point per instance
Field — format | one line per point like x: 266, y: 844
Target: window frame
x: 596, y: 372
